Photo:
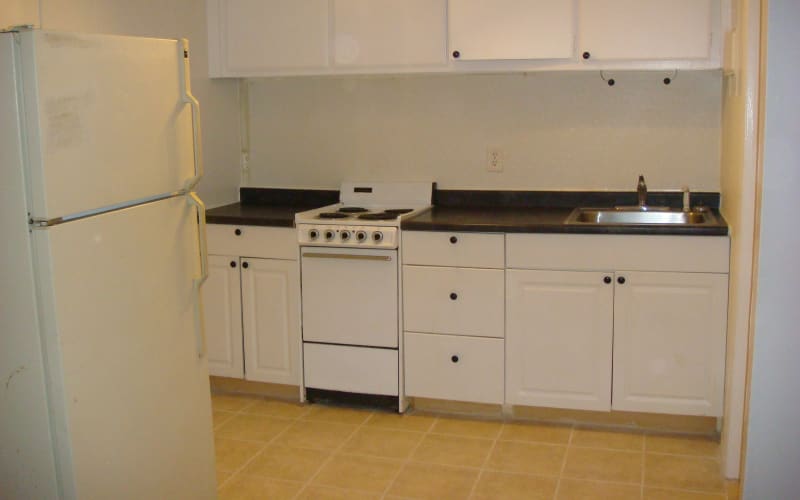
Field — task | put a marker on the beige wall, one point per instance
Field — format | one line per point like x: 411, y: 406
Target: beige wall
x: 170, y: 19
x: 558, y: 130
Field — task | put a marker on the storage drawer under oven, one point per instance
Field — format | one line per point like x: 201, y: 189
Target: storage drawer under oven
x: 350, y: 296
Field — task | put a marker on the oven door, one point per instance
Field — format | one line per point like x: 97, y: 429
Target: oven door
x: 349, y: 296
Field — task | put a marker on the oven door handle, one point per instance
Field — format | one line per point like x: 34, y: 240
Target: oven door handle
x: 347, y: 256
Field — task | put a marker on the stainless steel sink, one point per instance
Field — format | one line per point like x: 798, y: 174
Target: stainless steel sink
x: 639, y: 216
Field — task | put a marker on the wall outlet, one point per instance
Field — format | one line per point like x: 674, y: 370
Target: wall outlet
x: 494, y: 159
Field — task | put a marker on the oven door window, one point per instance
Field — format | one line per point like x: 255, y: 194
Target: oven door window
x: 349, y: 296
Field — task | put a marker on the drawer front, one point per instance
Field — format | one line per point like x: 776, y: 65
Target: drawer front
x: 436, y: 248
x: 350, y: 368
x: 454, y: 300
x: 604, y: 252
x: 453, y: 367
x: 252, y: 241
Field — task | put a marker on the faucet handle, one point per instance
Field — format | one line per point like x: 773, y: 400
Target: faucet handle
x: 686, y: 202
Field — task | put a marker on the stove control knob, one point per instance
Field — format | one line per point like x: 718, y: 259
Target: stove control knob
x: 329, y: 235
x: 377, y: 236
x: 361, y: 236
x: 344, y: 235
x: 313, y: 234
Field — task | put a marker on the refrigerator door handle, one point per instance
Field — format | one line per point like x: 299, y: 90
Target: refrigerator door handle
x: 192, y: 182
x: 199, y: 324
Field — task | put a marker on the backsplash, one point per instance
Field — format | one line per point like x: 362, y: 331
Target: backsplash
x: 557, y: 131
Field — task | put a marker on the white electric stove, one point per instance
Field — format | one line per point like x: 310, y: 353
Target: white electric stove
x: 367, y: 216
x: 350, y: 286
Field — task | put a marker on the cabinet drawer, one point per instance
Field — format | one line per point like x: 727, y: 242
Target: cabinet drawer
x: 453, y: 367
x: 252, y: 241
x: 455, y: 300
x: 454, y: 249
x: 350, y: 368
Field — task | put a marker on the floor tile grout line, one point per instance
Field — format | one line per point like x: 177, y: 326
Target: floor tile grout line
x: 333, y: 454
x: 408, y: 458
x: 486, y: 459
x: 260, y: 451
x: 564, y: 461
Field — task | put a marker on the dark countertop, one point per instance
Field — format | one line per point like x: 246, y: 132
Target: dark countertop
x: 474, y: 211
x: 256, y: 215
x: 537, y: 220
x: 270, y: 206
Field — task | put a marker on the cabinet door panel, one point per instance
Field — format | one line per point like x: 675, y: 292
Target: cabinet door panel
x: 271, y: 321
x: 263, y: 35
x: 558, y: 339
x: 223, y: 317
x: 645, y: 29
x: 389, y: 32
x: 511, y: 29
x: 669, y: 342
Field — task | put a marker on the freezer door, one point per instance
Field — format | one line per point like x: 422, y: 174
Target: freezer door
x: 128, y: 390
x: 105, y: 120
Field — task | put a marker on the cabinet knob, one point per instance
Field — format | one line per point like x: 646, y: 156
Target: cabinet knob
x: 453, y: 296
x: 621, y: 280
x: 456, y: 54
x: 233, y: 263
x: 586, y: 55
x: 607, y: 280
x: 245, y: 265
x: 453, y: 240
x: 238, y: 232
x: 454, y: 358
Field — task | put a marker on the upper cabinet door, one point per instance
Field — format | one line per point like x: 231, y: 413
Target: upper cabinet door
x: 511, y: 29
x: 262, y: 36
x: 645, y: 29
x: 389, y: 32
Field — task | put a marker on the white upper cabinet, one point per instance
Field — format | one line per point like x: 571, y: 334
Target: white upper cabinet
x: 381, y: 33
x: 645, y: 29
x: 511, y: 29
x: 251, y: 37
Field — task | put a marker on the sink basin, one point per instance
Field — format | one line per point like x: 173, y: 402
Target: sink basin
x: 638, y: 216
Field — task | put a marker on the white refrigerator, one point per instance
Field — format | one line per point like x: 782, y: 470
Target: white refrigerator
x: 104, y: 389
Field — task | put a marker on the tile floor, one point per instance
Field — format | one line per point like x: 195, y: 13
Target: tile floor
x: 269, y: 449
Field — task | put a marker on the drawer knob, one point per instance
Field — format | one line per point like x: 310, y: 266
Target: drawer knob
x: 456, y: 54
x: 454, y: 358
x: 233, y: 263
x: 607, y: 280
x: 238, y: 232
x: 586, y: 55
x: 245, y: 265
x: 453, y: 240
x: 453, y: 296
x: 621, y: 280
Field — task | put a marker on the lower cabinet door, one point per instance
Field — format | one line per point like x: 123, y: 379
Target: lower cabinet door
x: 222, y: 303
x: 669, y: 342
x: 271, y: 320
x: 454, y: 367
x: 559, y: 339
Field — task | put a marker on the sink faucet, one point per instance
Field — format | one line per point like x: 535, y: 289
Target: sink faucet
x: 641, y: 190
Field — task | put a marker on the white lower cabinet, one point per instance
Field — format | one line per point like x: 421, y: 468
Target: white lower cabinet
x: 270, y: 320
x: 251, y: 305
x: 669, y: 342
x: 454, y: 367
x: 222, y: 303
x: 558, y: 339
